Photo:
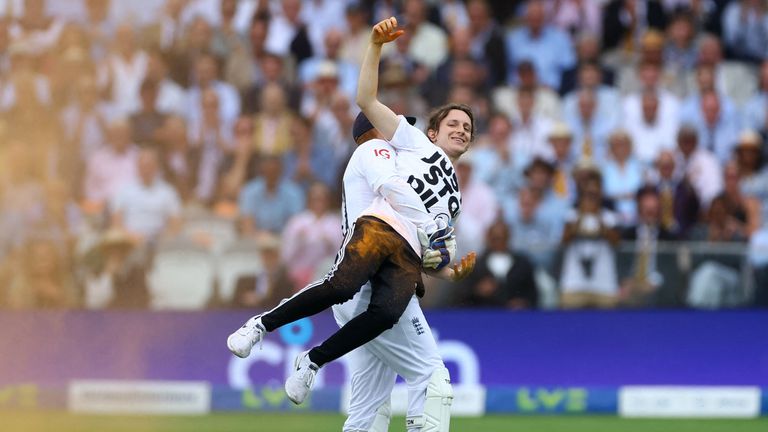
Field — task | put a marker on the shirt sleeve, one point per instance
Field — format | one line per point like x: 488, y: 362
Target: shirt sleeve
x: 377, y: 160
x: 405, y: 137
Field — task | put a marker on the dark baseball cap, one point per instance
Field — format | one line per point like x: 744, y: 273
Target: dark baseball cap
x: 363, y: 125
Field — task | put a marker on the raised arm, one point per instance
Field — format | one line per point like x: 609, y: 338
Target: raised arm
x: 382, y: 118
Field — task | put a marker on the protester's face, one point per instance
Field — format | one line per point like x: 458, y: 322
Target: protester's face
x: 454, y: 133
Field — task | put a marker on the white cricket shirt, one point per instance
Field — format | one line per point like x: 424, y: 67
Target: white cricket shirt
x: 380, y: 182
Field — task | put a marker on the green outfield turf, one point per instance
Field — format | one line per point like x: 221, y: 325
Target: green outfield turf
x: 33, y: 422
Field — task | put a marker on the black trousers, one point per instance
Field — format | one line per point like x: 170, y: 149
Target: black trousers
x: 372, y: 251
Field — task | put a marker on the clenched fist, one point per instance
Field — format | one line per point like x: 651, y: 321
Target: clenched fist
x: 385, y: 31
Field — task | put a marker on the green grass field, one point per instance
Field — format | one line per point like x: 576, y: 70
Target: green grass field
x: 33, y: 422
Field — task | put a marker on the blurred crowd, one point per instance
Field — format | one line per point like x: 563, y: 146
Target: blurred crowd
x: 188, y: 153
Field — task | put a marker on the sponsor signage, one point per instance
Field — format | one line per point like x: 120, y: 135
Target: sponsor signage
x: 545, y: 356
x: 662, y: 401
x: 139, y: 397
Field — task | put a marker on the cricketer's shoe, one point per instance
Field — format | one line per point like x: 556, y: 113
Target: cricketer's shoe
x: 243, y: 339
x: 302, y: 379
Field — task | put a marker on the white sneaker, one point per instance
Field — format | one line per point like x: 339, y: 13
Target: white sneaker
x: 243, y: 339
x: 302, y: 379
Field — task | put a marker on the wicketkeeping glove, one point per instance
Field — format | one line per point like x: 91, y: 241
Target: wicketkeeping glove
x: 437, y: 248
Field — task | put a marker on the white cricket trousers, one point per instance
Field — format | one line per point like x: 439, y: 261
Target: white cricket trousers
x: 408, y: 349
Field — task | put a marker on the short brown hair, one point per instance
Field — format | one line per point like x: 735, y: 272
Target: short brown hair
x: 440, y: 113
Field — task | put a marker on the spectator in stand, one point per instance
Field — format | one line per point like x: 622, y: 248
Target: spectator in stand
x: 680, y: 54
x: 61, y: 218
x: 745, y: 209
x: 745, y: 30
x: 22, y: 196
x: 625, y: 21
x: 587, y: 52
x: 699, y: 166
x: 458, y: 57
x: 244, y: 68
x: 651, y: 131
x: 37, y: 28
x: 715, y: 282
x: 98, y: 27
x: 115, y: 278
x: 755, y: 112
x: 358, y: 31
x: 272, y: 125
x: 705, y: 83
x: 5, y: 44
x: 495, y: 161
x: 549, y: 48
x: 753, y: 173
x: 311, y: 237
x: 124, y: 70
x: 577, y: 15
x: 197, y: 41
x: 717, y: 127
x: 42, y: 278
x: 588, y: 277
x: 560, y: 139
x: 487, y: 41
x: 288, y: 33
x: 147, y: 121
x: 239, y: 166
x: 147, y: 208
x: 26, y: 98
x: 317, y: 96
x: 207, y: 77
x: 347, y: 72
x: 607, y: 98
x: 733, y: 79
x: 171, y: 97
x: 429, y: 43
x: 537, y: 234
x: 622, y: 177
x: 211, y: 136
x: 479, y: 209
x: 84, y: 121
x: 266, y: 289
x: 71, y: 62
x: 112, y: 166
x: 226, y: 37
x: 452, y: 15
x: 273, y: 72
x: 267, y: 201
x: 648, y: 267
x: 590, y: 129
x: 326, y: 16
x: 530, y: 128
x: 166, y: 33
x: 502, y: 278
x: 546, y: 100
x: 679, y: 202
x: 306, y: 161
x: 330, y: 133
x: 179, y: 161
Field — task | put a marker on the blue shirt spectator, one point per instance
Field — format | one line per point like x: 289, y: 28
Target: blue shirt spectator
x: 536, y: 233
x: 622, y: 177
x: 586, y: 112
x: 718, y: 128
x: 745, y: 30
x: 547, y: 47
x: 755, y: 113
x: 267, y: 202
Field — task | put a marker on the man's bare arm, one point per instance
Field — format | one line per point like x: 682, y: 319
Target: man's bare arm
x: 381, y: 117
